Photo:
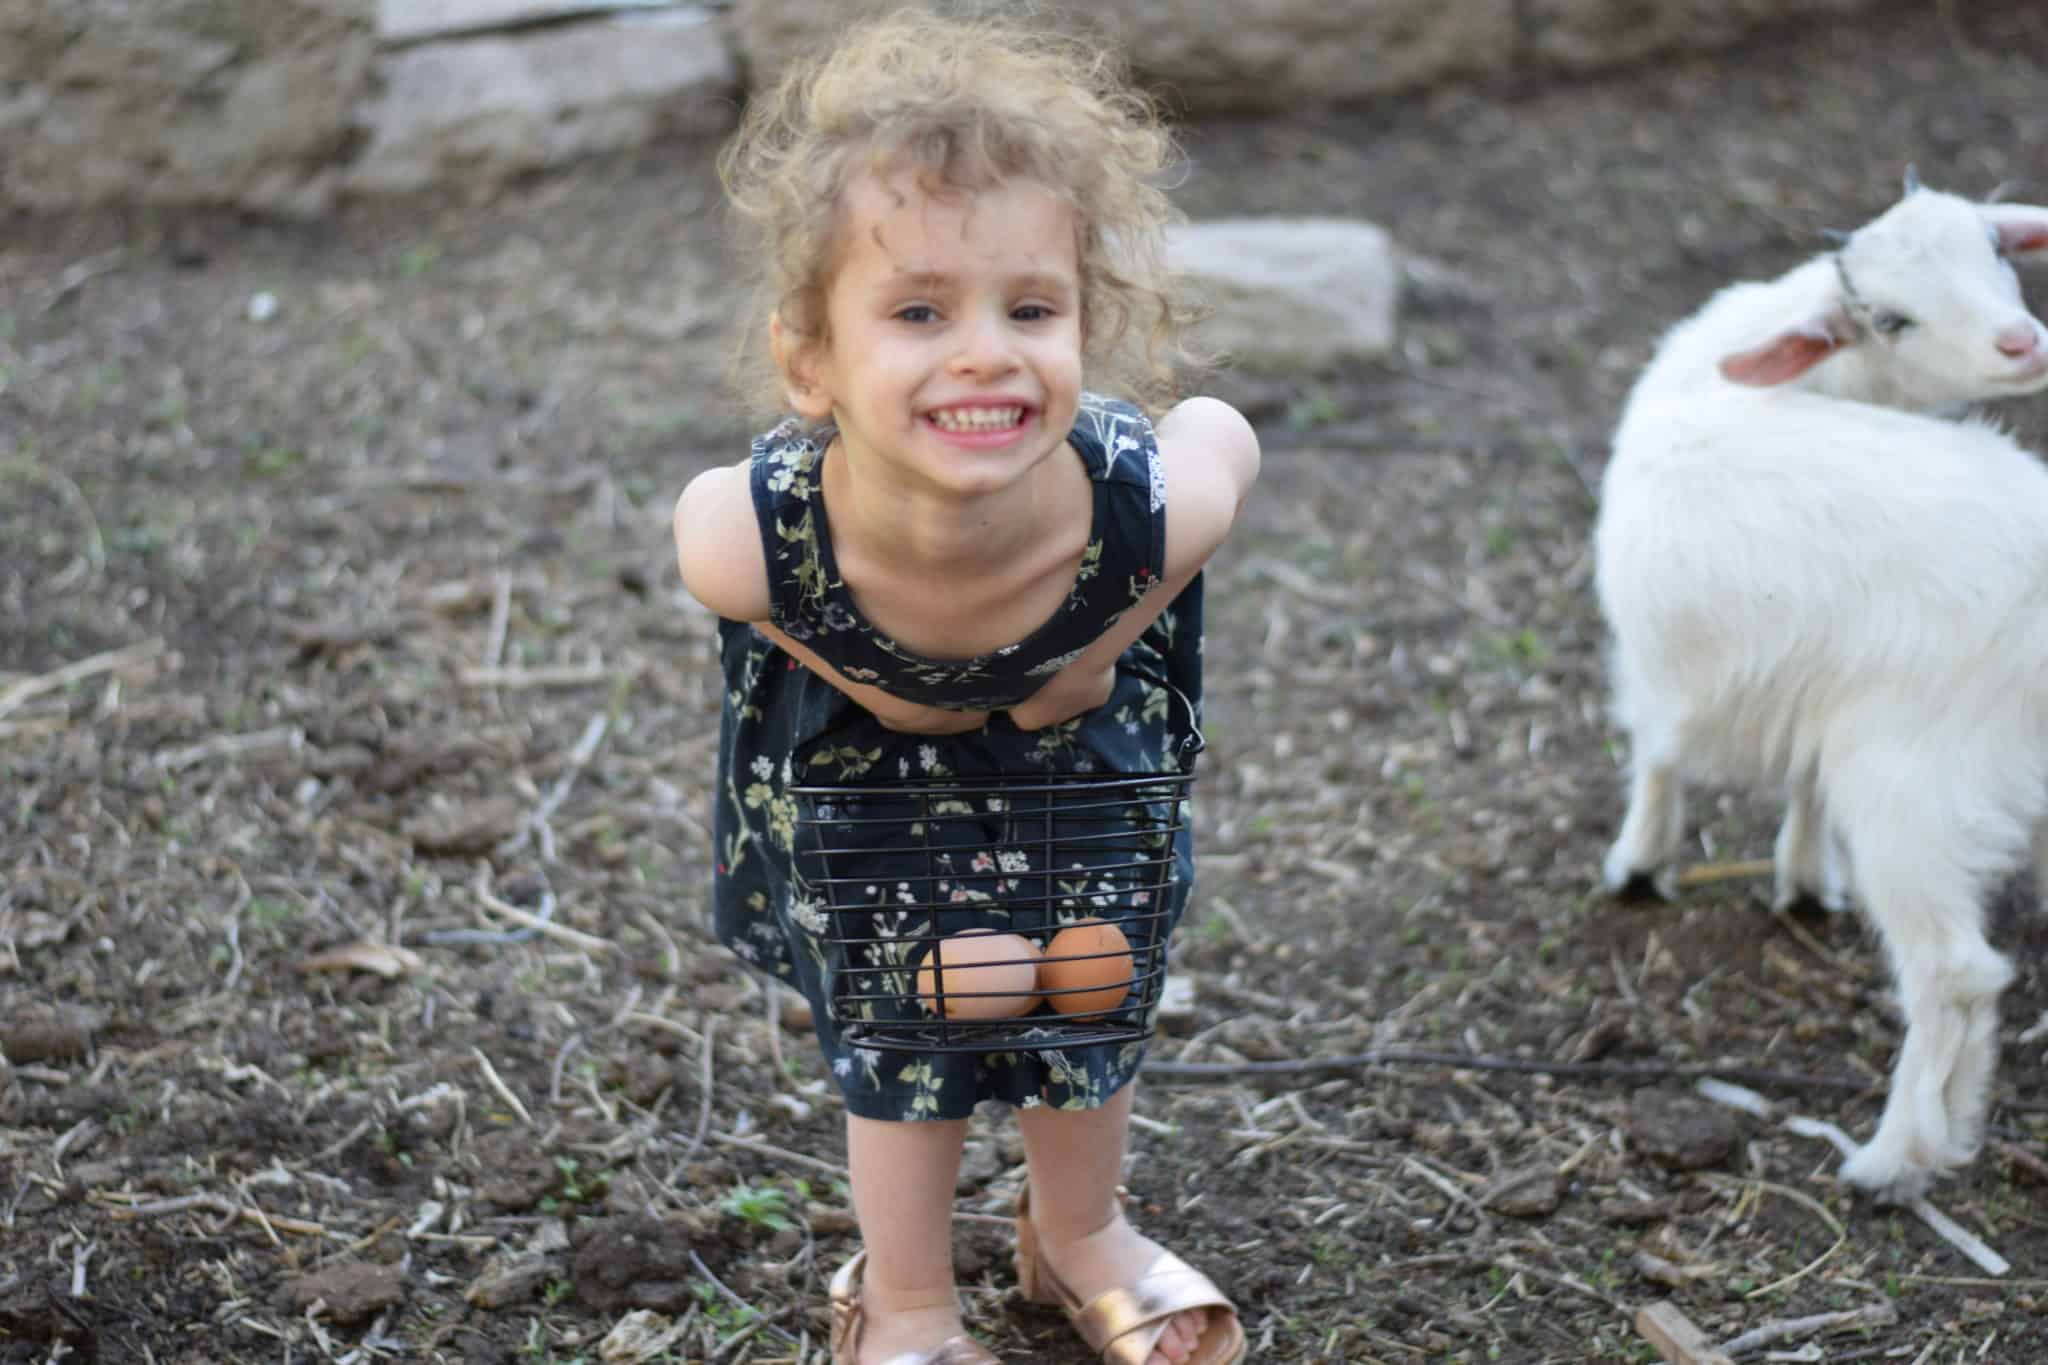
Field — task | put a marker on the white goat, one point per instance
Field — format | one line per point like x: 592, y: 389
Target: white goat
x: 1818, y: 581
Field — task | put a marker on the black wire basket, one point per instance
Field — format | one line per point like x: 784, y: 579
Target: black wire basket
x: 889, y: 872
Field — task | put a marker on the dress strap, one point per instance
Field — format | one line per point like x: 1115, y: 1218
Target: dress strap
x: 1117, y: 441
x: 783, y: 475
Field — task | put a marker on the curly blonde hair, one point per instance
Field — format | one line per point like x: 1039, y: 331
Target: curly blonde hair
x: 964, y: 104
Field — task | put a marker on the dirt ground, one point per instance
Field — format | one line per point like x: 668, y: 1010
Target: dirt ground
x: 355, y: 982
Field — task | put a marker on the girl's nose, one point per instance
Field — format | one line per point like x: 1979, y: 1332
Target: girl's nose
x: 985, y: 349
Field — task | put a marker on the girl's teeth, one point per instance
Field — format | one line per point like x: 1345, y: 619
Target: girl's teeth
x: 977, y: 419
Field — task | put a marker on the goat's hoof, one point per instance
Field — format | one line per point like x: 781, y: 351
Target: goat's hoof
x: 1884, y: 1176
x: 1626, y: 883
x: 1799, y: 900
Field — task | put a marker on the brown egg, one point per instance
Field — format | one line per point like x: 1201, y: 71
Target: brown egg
x: 985, y: 975
x: 1075, y: 979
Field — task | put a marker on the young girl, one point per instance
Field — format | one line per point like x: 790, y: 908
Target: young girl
x: 956, y: 559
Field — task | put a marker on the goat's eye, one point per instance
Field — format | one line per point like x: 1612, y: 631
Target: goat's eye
x: 1891, y: 324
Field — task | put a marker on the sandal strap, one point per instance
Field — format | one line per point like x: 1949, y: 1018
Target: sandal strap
x: 848, y: 1320
x: 1123, y: 1325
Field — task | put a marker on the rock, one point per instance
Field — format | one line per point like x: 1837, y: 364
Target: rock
x: 980, y: 1162
x: 514, y: 1173
x: 467, y: 828
x: 1235, y: 55
x: 1177, y: 1013
x: 352, y: 1292
x: 1524, y: 1194
x: 636, y: 1262
x: 412, y: 21
x: 1289, y: 295
x: 245, y: 102
x: 507, y: 1282
x: 1680, y: 1131
x: 52, y: 1035
x: 490, y: 108
x: 1636, y: 1212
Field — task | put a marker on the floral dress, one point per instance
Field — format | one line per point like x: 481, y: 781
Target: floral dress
x: 784, y: 728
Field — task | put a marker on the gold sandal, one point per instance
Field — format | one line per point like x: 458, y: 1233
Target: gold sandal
x: 1123, y: 1325
x: 848, y: 1320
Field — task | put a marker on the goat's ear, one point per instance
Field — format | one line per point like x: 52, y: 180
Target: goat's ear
x: 1789, y: 354
x: 2022, y: 230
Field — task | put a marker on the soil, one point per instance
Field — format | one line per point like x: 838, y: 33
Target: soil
x: 355, y: 982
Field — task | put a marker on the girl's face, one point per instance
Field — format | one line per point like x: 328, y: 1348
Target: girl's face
x: 954, y: 359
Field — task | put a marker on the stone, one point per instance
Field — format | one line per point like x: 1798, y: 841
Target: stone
x: 635, y: 1262
x: 1533, y: 1193
x: 1283, y: 296
x: 467, y: 827
x: 1680, y: 1131
x: 506, y: 1282
x: 489, y: 108
x: 351, y: 1292
x: 413, y: 21
x: 245, y: 102
x: 1213, y: 56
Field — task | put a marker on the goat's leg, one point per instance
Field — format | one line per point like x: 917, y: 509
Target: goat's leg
x: 1835, y: 892
x: 1797, y: 858
x: 2041, y: 863
x: 1808, y: 862
x: 1650, y: 831
x: 1926, y: 907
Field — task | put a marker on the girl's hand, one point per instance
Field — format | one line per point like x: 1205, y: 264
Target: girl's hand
x: 909, y: 718
x: 1075, y: 690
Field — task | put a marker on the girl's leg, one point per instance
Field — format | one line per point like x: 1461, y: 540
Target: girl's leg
x: 1075, y: 1161
x: 903, y: 1178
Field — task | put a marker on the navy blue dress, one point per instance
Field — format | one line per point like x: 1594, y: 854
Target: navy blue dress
x: 783, y: 727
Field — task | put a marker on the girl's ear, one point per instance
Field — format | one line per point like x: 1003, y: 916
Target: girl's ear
x: 796, y: 357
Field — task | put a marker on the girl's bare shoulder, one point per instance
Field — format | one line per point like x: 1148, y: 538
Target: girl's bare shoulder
x: 1209, y: 456
x: 718, y: 544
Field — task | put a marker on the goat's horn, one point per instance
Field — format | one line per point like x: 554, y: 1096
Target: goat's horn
x: 1835, y: 236
x: 1913, y: 185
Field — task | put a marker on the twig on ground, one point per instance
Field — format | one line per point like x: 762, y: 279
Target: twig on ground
x: 1871, y: 1315
x: 536, y: 824
x: 1482, y: 1225
x: 707, y: 1075
x: 498, y: 1086
x: 501, y: 619
x: 769, y: 1149
x: 1819, y: 1210
x: 281, y: 739
x: 555, y: 1071
x: 1704, y: 874
x: 1677, y: 1338
x: 16, y: 693
x: 225, y: 1207
x: 1606, y: 1071
x: 540, y: 923
x: 563, y: 675
x: 735, y: 1299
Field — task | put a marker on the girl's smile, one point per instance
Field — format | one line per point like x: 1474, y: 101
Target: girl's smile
x: 981, y: 425
x: 953, y: 327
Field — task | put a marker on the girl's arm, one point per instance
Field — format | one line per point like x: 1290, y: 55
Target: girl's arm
x: 718, y: 550
x: 1209, y: 457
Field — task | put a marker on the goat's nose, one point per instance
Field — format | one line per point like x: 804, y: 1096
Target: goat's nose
x: 2019, y: 341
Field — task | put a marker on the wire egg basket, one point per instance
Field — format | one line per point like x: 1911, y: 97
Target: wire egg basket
x: 888, y: 872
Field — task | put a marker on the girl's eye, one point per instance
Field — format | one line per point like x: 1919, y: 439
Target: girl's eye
x: 916, y: 312
x: 1891, y: 324
x: 1031, y: 312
